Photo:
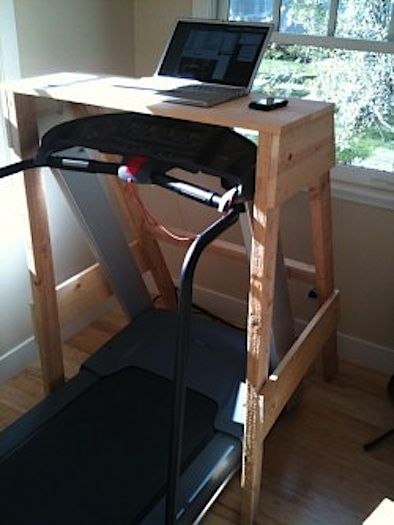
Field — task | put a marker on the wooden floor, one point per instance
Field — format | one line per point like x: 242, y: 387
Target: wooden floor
x: 315, y: 469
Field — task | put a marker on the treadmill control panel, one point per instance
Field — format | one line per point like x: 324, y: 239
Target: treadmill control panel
x: 192, y: 146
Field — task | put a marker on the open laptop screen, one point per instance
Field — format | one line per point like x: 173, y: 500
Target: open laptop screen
x: 220, y: 53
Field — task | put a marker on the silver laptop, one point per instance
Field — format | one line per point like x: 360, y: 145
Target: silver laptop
x: 209, y: 62
x: 220, y: 58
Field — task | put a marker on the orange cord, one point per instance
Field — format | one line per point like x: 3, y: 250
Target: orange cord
x: 152, y: 221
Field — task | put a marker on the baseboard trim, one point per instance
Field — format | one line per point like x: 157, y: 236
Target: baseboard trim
x: 225, y: 306
x: 17, y: 359
x: 350, y: 348
x: 366, y: 354
x: 360, y: 352
x: 26, y: 353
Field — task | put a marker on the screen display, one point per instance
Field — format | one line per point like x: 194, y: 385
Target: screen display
x: 214, y: 53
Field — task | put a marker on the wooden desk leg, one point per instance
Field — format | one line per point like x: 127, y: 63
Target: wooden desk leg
x: 320, y: 210
x: 22, y: 117
x: 264, y: 249
x: 261, y: 296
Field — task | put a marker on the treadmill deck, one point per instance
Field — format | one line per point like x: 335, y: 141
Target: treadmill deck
x: 97, y: 453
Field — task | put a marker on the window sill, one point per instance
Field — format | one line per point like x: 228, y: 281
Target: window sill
x: 364, y: 186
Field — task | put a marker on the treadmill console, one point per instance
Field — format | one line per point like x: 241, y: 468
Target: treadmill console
x: 192, y: 146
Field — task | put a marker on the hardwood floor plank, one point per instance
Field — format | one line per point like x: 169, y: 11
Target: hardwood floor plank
x: 17, y: 398
x: 8, y: 415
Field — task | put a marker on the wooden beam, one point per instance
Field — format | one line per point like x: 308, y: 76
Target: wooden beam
x: 300, y: 271
x: 307, y: 151
x: 261, y: 296
x: 88, y: 288
x: 320, y: 211
x: 82, y: 292
x: 85, y: 289
x: 282, y: 383
x: 235, y: 252
x: 22, y: 117
x: 296, y: 270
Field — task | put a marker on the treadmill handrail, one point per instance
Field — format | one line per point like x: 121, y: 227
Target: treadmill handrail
x: 195, y: 192
x: 182, y: 353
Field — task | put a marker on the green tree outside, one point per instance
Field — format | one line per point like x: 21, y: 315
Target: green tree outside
x: 361, y: 84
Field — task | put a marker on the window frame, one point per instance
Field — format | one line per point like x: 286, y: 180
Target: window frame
x: 351, y: 183
x: 328, y: 41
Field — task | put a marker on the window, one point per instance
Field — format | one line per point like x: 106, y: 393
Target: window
x: 334, y: 50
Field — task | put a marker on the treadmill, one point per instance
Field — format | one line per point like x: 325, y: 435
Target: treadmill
x: 150, y: 429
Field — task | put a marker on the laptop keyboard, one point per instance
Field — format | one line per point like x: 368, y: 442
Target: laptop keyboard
x: 203, y: 88
x: 203, y: 95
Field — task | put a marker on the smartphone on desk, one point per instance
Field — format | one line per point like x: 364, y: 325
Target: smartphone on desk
x: 268, y: 103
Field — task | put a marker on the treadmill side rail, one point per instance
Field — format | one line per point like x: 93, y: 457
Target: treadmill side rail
x: 202, y: 481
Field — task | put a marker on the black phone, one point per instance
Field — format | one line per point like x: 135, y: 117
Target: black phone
x: 268, y: 103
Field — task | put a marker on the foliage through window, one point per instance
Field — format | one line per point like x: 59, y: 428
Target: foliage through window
x: 339, y: 51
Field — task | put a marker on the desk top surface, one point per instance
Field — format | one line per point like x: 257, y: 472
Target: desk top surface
x: 110, y: 92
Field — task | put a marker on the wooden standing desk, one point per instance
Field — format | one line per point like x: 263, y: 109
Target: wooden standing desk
x: 295, y: 151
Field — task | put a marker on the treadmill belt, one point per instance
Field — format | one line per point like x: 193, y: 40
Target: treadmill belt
x: 103, y: 459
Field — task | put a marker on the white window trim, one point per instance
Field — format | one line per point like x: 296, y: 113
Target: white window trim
x: 9, y: 53
x: 221, y: 8
x: 9, y: 64
x: 205, y: 8
x: 350, y: 183
x: 363, y: 186
x: 333, y: 42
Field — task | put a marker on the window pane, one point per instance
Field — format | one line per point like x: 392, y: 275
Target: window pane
x: 361, y: 84
x: 364, y: 19
x: 304, y: 16
x: 258, y: 10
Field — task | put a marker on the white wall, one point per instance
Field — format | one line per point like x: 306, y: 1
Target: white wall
x: 52, y: 35
x: 153, y: 21
x: 15, y: 325
x: 75, y: 35
x: 364, y: 262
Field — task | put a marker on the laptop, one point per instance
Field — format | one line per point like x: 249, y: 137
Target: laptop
x: 207, y: 62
